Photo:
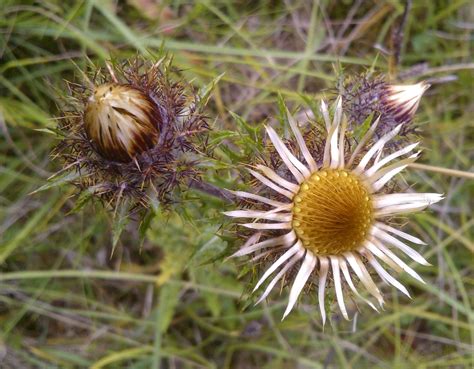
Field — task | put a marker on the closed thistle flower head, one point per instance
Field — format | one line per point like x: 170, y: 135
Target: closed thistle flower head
x: 121, y: 121
x: 132, y: 133
x: 401, y: 101
x: 322, y: 217
x: 364, y: 95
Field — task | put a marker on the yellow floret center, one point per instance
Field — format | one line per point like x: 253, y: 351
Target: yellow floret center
x: 332, y: 212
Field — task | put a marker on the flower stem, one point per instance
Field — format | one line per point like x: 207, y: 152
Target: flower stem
x: 446, y: 171
x: 210, y: 189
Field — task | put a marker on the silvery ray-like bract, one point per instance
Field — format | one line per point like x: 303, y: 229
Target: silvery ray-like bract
x: 335, y: 220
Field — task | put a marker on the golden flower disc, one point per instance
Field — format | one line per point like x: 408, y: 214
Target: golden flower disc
x: 332, y: 212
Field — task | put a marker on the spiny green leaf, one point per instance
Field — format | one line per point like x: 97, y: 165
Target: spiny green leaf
x: 57, y: 181
x: 361, y: 130
x: 169, y: 298
x: 82, y: 200
x: 119, y: 221
x: 205, y: 91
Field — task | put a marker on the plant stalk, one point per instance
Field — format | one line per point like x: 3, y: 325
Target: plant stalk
x: 446, y: 171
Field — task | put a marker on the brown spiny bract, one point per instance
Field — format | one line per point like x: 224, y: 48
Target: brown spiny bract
x: 364, y: 95
x: 134, y: 133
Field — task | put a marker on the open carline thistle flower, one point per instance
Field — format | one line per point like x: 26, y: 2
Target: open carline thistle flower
x: 335, y: 215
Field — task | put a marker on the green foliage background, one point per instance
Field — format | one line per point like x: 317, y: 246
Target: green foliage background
x: 67, y: 301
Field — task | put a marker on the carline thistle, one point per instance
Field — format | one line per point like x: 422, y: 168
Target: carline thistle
x: 329, y: 217
x: 133, y: 133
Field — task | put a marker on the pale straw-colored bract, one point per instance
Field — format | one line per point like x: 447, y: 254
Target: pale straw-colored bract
x: 402, y: 100
x: 334, y: 222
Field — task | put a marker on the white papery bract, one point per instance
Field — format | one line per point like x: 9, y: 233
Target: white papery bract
x: 402, y: 100
x: 331, y: 215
